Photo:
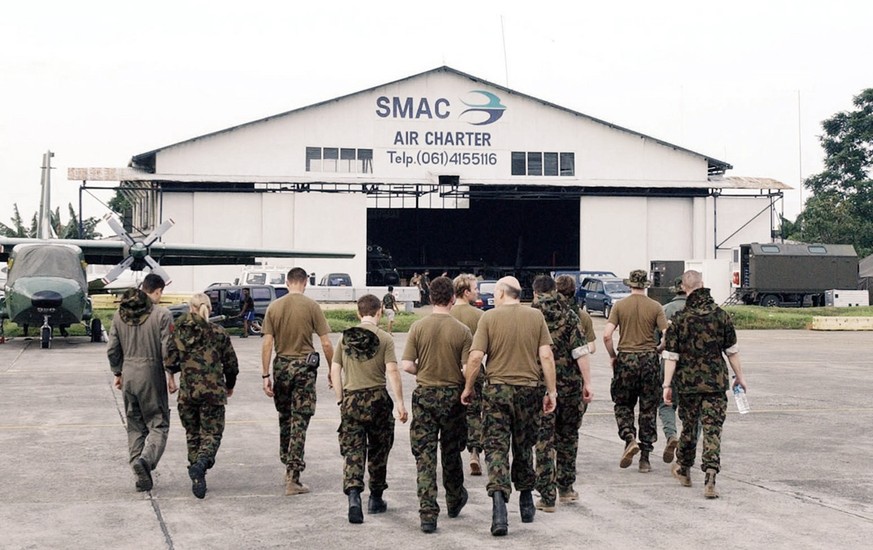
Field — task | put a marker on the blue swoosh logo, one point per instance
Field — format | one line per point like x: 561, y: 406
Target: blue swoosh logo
x: 493, y: 108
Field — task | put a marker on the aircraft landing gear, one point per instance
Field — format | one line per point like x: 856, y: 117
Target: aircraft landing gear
x: 96, y: 330
x: 45, y: 334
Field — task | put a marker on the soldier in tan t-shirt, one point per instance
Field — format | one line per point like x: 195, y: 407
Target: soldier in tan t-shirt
x: 636, y: 371
x: 289, y: 325
x: 514, y: 336
x: 466, y: 292
x: 436, y: 350
x: 364, y: 360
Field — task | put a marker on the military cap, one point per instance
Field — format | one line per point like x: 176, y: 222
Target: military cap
x: 638, y: 279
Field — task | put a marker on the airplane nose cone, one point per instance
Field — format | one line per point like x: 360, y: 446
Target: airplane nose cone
x: 46, y: 299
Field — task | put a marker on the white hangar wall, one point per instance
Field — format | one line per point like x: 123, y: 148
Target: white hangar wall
x: 268, y: 220
x: 275, y: 147
x: 625, y: 233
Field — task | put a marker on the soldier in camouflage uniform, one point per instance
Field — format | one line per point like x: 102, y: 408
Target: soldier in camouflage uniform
x: 566, y: 287
x: 364, y: 359
x: 513, y: 336
x: 636, y: 372
x: 436, y: 350
x: 288, y: 327
x: 202, y: 352
x: 558, y: 441
x: 695, y: 342
x: 466, y: 292
x: 666, y: 412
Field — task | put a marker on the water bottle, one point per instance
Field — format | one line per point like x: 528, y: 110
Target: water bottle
x: 742, y: 399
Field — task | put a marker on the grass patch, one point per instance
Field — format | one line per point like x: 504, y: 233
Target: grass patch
x: 757, y: 317
x: 341, y: 319
x: 745, y: 318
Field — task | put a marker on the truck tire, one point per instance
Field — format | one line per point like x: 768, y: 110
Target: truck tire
x: 770, y: 300
x: 256, y: 326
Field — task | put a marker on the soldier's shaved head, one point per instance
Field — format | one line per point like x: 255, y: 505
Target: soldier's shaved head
x: 692, y: 280
x: 509, y: 286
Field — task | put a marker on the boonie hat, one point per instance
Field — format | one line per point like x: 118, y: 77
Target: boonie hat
x: 638, y: 279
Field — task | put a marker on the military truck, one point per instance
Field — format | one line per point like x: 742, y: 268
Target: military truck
x: 380, y: 267
x: 781, y: 274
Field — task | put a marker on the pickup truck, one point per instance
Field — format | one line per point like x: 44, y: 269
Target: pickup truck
x: 226, y: 302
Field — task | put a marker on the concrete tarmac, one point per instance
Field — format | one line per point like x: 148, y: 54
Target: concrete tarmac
x: 796, y: 472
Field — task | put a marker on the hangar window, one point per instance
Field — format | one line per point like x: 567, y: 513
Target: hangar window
x: 313, y: 159
x: 534, y: 164
x: 330, y: 155
x: 770, y: 249
x: 519, y: 164
x: 347, y: 160
x: 365, y: 158
x: 817, y: 249
x: 543, y: 164
x: 335, y: 159
x: 568, y: 164
x: 550, y: 164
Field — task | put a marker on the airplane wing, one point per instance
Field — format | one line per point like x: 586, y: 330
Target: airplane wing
x: 112, y: 252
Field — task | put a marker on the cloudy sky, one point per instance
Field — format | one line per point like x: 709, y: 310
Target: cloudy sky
x: 747, y: 82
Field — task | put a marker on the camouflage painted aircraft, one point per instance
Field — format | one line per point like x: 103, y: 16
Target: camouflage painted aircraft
x: 46, y: 285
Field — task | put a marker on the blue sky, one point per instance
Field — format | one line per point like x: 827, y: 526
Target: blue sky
x: 99, y: 81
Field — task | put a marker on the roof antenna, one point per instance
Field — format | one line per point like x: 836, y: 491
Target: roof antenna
x: 505, y: 62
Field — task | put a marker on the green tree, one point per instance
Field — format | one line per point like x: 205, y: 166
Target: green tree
x: 17, y: 228
x: 840, y: 209
x: 69, y: 230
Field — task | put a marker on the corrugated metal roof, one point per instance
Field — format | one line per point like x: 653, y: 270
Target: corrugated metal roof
x: 742, y: 182
x: 715, y: 166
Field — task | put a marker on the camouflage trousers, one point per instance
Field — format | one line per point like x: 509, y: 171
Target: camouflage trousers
x: 366, y: 435
x: 637, y: 378
x: 558, y: 445
x: 294, y: 397
x: 709, y: 409
x: 512, y: 421
x: 204, y: 426
x: 438, y: 416
x: 474, y: 415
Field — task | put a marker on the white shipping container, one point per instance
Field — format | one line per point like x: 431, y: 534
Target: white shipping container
x: 846, y: 298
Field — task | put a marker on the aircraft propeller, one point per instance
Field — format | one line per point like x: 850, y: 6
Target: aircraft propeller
x: 136, y: 253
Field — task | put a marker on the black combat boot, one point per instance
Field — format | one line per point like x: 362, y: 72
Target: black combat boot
x: 197, y: 473
x: 375, y: 504
x: 499, y: 522
x: 456, y: 508
x: 526, y: 507
x: 645, y: 465
x: 356, y: 513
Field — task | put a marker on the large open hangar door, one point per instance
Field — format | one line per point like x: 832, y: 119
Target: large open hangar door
x: 494, y: 235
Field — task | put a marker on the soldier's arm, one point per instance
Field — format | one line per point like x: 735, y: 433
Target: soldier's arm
x: 327, y: 347
x: 547, y: 360
x: 397, y: 389
x: 607, y: 342
x: 409, y: 366
x: 474, y: 363
x: 266, y: 355
x: 336, y: 381
x: 669, y: 369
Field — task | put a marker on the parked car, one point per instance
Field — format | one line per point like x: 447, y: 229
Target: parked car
x: 227, y: 303
x: 336, y: 279
x: 601, y: 293
x: 486, y: 295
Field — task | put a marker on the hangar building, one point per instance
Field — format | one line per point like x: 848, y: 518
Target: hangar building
x: 447, y: 171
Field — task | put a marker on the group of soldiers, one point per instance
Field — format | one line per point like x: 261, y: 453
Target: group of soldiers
x: 511, y: 383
